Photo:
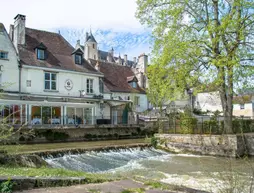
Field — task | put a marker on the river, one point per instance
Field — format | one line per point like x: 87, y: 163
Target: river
x: 213, y: 174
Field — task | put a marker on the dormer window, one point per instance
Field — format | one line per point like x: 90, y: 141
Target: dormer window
x: 78, y: 58
x: 40, y: 54
x: 41, y: 51
x: 132, y: 80
x: 3, y: 55
x: 133, y: 84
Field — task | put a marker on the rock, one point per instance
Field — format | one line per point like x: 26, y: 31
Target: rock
x: 33, y: 161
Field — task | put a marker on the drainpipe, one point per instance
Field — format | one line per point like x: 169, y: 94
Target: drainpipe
x: 20, y: 66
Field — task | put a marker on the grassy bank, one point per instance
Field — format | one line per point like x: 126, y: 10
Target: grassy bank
x: 54, y: 172
x: 32, y: 148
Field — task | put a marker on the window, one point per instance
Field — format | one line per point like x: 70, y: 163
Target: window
x: 40, y: 54
x: 3, y: 55
x: 50, y: 81
x: 241, y: 106
x: 137, y: 101
x: 89, y: 86
x: 94, y: 57
x: 78, y: 59
x: 133, y: 84
x: 28, y: 83
x: 93, y: 46
x: 101, y: 86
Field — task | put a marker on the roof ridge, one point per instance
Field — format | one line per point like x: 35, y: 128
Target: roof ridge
x: 43, y: 31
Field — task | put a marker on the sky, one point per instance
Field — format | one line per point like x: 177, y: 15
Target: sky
x: 112, y: 22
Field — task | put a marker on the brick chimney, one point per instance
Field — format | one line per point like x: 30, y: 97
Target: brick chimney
x: 77, y: 44
x: 19, y: 30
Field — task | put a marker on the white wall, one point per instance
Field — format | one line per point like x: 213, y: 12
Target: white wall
x: 143, y: 99
x: 208, y: 101
x: 37, y: 82
x: 9, y: 67
x: 248, y: 110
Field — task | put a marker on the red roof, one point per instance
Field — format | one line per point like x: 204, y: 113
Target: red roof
x: 58, y: 52
x: 116, y: 77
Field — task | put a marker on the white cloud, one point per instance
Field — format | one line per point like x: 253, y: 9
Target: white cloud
x: 104, y: 14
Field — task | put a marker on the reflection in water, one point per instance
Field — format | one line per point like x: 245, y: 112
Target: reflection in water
x: 201, y: 172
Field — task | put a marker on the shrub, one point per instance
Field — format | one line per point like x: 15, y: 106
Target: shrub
x: 154, y: 142
x: 54, y: 135
x: 188, y: 123
x: 6, y: 187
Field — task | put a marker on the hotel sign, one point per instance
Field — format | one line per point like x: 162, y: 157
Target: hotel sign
x: 68, y: 84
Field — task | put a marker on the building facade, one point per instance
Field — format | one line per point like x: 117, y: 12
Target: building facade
x: 51, y: 82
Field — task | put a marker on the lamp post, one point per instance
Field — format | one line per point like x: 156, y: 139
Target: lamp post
x: 190, y: 92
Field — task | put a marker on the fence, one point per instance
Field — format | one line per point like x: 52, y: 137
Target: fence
x: 68, y: 120
x: 207, y: 125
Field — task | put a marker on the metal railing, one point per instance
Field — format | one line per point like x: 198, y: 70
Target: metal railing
x: 69, y: 120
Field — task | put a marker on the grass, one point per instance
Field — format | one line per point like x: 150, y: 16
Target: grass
x: 54, y: 172
x: 32, y: 148
x: 134, y: 190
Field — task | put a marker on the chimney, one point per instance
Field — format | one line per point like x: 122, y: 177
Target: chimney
x: 125, y: 60
x: 112, y: 52
x: 19, y: 30
x: 119, y: 60
x: 78, y: 44
x: 142, y: 62
x: 134, y: 59
x: 86, y: 36
x: 97, y: 66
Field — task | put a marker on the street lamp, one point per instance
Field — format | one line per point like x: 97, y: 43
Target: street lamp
x: 190, y: 92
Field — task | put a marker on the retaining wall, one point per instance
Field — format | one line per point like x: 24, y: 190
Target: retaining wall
x: 218, y: 145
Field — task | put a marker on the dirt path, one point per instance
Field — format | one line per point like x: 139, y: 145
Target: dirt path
x: 109, y: 187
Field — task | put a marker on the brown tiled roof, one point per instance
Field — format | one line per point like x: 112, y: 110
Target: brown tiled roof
x: 242, y: 99
x: 58, y: 52
x: 115, y: 77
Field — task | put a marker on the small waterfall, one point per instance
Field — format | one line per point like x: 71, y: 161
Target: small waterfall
x: 106, y: 161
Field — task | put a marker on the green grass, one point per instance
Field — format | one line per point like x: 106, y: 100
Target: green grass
x: 32, y: 148
x: 53, y: 172
x: 134, y: 190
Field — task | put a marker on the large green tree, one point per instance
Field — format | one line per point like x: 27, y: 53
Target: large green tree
x: 204, y: 42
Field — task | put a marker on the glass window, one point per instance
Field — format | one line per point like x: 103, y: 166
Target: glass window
x: 78, y: 58
x: 50, y: 81
x: 36, y: 115
x: 101, y: 86
x: 56, y: 115
x: 89, y: 86
x: 40, y: 54
x: 88, y: 116
x: 133, y: 84
x: 3, y: 55
x: 137, y: 100
x: 242, y: 106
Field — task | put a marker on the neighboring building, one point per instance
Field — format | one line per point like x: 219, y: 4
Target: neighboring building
x: 123, y: 79
x: 244, y: 106
x: 208, y: 101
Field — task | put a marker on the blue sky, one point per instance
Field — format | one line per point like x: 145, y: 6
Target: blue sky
x: 113, y: 22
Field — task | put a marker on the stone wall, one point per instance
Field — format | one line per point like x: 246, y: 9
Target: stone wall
x: 218, y: 145
x: 89, y: 133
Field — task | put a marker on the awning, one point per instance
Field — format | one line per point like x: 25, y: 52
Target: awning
x: 45, y: 103
x: 117, y: 103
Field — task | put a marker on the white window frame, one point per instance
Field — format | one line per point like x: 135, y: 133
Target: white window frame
x: 89, y: 86
x: 79, y: 60
x: 50, y: 81
x: 42, y: 57
x: 137, y: 100
x: 242, y: 106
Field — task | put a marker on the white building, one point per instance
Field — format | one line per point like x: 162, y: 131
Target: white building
x: 53, y: 83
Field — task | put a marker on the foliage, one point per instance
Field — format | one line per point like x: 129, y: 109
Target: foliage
x: 187, y: 122
x: 134, y: 190
x: 6, y: 187
x: 51, y: 135
x: 154, y: 142
x: 199, y: 43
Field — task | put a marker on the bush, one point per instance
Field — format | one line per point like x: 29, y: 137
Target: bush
x: 188, y: 123
x: 243, y: 125
x: 213, y: 127
x: 6, y: 187
x: 54, y: 135
x: 154, y: 142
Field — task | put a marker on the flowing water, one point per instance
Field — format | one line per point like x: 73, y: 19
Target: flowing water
x: 201, y: 172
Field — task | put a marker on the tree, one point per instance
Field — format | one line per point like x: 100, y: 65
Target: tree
x: 204, y: 42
